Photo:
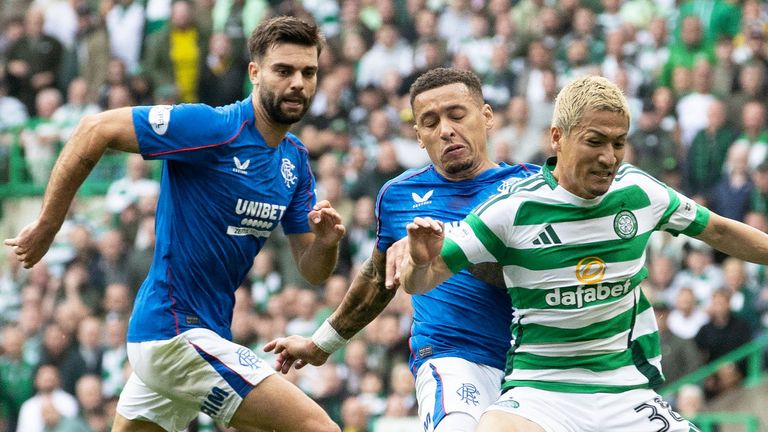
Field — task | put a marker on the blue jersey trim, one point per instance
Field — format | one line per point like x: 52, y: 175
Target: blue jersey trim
x: 169, y: 278
x: 439, y: 409
x: 234, y: 379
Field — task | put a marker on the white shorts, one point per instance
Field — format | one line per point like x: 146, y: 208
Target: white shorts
x: 197, y: 371
x: 634, y: 410
x: 449, y: 384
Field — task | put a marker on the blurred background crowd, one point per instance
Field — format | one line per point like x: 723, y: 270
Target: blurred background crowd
x: 694, y: 72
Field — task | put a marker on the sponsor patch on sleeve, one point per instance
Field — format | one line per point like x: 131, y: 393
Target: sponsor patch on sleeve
x: 159, y: 118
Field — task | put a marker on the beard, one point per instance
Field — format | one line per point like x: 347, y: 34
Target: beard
x: 456, y: 167
x: 271, y: 103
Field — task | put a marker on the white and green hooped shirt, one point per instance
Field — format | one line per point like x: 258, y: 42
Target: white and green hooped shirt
x: 572, y: 267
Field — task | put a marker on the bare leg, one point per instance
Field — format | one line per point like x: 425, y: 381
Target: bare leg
x: 276, y: 404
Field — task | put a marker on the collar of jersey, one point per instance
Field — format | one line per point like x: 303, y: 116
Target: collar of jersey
x: 547, y: 169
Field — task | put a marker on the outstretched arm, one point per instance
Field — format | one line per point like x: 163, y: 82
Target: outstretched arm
x: 736, y: 239
x: 316, y: 252
x: 364, y: 301
x: 94, y: 134
x: 422, y: 268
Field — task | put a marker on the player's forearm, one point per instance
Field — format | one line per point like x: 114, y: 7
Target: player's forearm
x: 736, y: 239
x: 421, y: 279
x: 75, y: 162
x: 318, y: 261
x: 366, y: 298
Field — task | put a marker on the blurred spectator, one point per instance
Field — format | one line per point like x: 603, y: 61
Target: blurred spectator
x: 730, y: 197
x: 518, y: 140
x: 355, y: 365
x: 718, y: 18
x: 690, y: 49
x: 60, y: 22
x: 744, y: 297
x: 408, y: 151
x: 390, y: 52
x: 708, y: 151
x: 33, y: 61
x: 68, y: 115
x: 125, y: 27
x: 455, y: 23
x: 303, y: 323
x: 759, y: 201
x: 690, y: 401
x: 654, y: 147
x: 115, y: 76
x: 686, y: 319
x: 692, y: 109
x: 49, y: 399
x: 112, y: 263
x: 478, y: 46
x: 86, y: 355
x: 16, y: 375
x: 115, y: 359
x: 129, y: 189
x: 354, y: 415
x: 661, y: 272
x: 724, y: 332
x: 266, y: 281
x: 663, y: 100
x: 679, y: 356
x: 237, y: 18
x: 498, y: 80
x: 173, y: 54
x: 91, y: 53
x: 724, y: 71
x: 755, y: 132
x: 700, y: 273
x: 41, y: 136
x: 13, y: 113
x: 372, y: 179
x: 223, y: 73
x: 750, y: 84
x: 653, y: 50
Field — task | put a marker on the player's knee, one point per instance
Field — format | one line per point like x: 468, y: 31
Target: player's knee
x: 457, y: 422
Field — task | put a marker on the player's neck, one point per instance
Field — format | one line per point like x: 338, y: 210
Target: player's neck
x: 271, y: 131
x: 469, y: 173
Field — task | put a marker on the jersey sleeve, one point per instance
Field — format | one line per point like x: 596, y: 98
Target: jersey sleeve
x: 295, y: 220
x: 480, y: 237
x: 385, y: 230
x: 175, y: 132
x: 683, y: 215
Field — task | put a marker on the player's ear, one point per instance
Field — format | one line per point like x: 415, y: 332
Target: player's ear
x: 253, y: 71
x: 418, y: 136
x: 556, y: 135
x: 488, y: 115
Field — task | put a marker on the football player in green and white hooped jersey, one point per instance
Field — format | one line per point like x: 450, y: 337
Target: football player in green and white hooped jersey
x: 571, y: 241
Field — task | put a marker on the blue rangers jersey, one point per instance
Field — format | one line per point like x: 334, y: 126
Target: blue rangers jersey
x: 223, y: 190
x: 450, y: 320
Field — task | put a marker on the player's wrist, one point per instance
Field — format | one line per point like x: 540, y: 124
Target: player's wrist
x: 328, y: 339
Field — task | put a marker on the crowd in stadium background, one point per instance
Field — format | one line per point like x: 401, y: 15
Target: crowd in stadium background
x: 694, y: 74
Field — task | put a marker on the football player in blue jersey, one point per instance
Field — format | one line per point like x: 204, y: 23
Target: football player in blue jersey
x: 459, y: 336
x: 230, y: 175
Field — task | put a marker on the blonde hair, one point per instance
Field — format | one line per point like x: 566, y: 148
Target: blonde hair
x: 586, y: 93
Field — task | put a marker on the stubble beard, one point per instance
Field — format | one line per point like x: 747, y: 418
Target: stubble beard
x: 271, y: 104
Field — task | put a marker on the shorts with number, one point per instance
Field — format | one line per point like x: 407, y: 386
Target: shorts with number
x: 197, y: 371
x: 449, y: 384
x: 634, y: 410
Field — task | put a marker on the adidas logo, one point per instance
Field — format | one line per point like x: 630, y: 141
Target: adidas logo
x: 547, y: 237
x: 240, y: 167
x: 422, y: 200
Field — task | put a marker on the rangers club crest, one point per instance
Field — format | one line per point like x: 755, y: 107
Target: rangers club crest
x: 288, y: 170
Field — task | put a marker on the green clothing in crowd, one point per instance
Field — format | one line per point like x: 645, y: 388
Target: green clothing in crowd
x: 706, y: 156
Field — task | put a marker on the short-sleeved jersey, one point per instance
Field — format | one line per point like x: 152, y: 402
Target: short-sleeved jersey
x: 573, y: 268
x: 222, y: 192
x: 463, y: 317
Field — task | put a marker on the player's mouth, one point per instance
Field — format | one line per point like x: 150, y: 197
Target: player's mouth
x: 454, y: 150
x: 293, y: 103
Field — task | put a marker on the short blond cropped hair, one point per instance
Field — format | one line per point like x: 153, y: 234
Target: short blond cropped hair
x: 587, y: 93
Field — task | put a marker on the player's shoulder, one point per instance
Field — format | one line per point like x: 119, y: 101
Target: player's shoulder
x: 402, y: 185
x: 212, y: 123
x: 628, y: 174
x: 295, y: 142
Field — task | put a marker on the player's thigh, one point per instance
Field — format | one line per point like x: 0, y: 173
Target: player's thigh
x: 122, y: 424
x: 276, y: 404
x: 197, y: 371
x: 452, y: 385
x: 641, y: 411
x: 457, y: 422
x: 501, y: 421
x: 141, y: 408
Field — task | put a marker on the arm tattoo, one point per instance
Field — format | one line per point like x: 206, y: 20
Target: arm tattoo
x: 490, y: 273
x: 366, y: 298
